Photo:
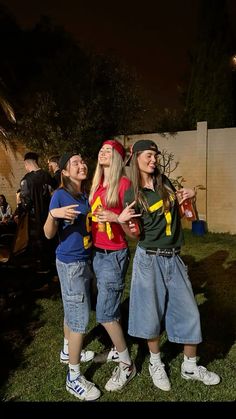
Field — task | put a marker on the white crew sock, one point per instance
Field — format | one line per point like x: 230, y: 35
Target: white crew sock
x: 65, y: 346
x: 74, y: 371
x: 190, y: 363
x: 124, y: 357
x: 155, y: 358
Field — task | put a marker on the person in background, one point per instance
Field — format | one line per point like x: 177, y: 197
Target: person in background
x: 19, y: 208
x: 35, y: 193
x: 5, y: 209
x: 160, y: 286
x: 7, y: 224
x: 53, y: 165
x: 111, y: 254
x: 70, y: 217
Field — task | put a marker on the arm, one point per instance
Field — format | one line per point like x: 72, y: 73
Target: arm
x: 24, y: 193
x: 51, y: 225
x: 126, y: 219
x: 9, y: 211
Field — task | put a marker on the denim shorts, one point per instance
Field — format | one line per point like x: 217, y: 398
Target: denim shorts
x: 161, y: 292
x: 75, y: 280
x: 110, y: 270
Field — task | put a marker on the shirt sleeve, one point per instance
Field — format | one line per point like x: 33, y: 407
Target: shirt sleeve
x: 24, y: 192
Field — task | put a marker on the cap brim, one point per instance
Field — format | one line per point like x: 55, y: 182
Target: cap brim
x: 127, y: 163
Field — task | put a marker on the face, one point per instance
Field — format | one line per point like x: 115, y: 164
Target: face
x: 51, y: 166
x: 76, y: 168
x: 147, y: 161
x: 105, y: 155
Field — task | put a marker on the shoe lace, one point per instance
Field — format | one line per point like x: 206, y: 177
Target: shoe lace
x: 159, y: 370
x: 116, y: 373
x: 203, y: 372
x: 120, y: 372
x: 81, y: 380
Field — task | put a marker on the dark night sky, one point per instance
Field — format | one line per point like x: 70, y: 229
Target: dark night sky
x: 153, y: 37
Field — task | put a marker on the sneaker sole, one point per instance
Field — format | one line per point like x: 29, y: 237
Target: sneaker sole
x: 161, y: 388
x: 71, y: 391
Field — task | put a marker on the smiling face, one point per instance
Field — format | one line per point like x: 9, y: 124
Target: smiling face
x: 147, y: 162
x: 105, y: 155
x: 76, y: 169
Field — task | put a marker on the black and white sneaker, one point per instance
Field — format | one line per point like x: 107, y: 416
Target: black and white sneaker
x: 200, y: 373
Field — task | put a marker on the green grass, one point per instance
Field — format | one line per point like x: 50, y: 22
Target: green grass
x: 37, y: 375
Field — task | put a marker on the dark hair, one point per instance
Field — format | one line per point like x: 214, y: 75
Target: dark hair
x: 160, y: 183
x: 65, y: 158
x: 54, y: 159
x: 66, y: 182
x: 4, y: 204
x: 31, y: 156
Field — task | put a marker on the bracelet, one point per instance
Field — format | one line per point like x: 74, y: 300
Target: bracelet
x: 54, y: 218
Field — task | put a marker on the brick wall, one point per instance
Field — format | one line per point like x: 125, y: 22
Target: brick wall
x: 11, y: 170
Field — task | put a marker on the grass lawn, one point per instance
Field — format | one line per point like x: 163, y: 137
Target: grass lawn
x: 31, y: 335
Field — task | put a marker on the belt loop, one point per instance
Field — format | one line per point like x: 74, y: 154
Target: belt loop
x: 158, y: 252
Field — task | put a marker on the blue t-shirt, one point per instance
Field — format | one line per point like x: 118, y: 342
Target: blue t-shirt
x: 75, y: 240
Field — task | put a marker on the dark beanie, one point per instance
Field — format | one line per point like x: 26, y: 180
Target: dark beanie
x: 65, y: 158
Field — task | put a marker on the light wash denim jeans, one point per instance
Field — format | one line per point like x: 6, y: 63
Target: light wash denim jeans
x: 161, y: 290
x: 110, y: 270
x: 75, y: 288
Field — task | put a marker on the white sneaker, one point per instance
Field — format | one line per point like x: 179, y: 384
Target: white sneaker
x: 159, y: 376
x: 121, y: 376
x: 84, y: 357
x: 113, y: 355
x: 82, y: 388
x: 201, y: 374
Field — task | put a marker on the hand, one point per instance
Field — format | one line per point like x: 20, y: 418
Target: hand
x: 106, y: 216
x: 68, y: 212
x: 184, y: 193
x: 127, y: 213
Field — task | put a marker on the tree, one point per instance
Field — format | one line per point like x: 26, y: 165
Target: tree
x: 210, y: 91
x: 8, y: 27
x: 67, y: 97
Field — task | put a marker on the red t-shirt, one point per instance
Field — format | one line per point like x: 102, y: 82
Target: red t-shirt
x: 117, y: 239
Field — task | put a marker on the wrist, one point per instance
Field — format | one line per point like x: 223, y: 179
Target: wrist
x: 52, y: 216
x: 120, y: 222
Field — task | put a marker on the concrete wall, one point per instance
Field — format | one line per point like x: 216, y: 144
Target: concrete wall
x: 221, y: 180
x: 206, y: 157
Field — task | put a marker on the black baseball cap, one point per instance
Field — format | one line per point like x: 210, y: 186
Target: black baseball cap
x: 142, y: 145
x: 65, y: 158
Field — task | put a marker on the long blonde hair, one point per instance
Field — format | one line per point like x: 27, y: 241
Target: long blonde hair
x: 164, y: 190
x: 116, y: 172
